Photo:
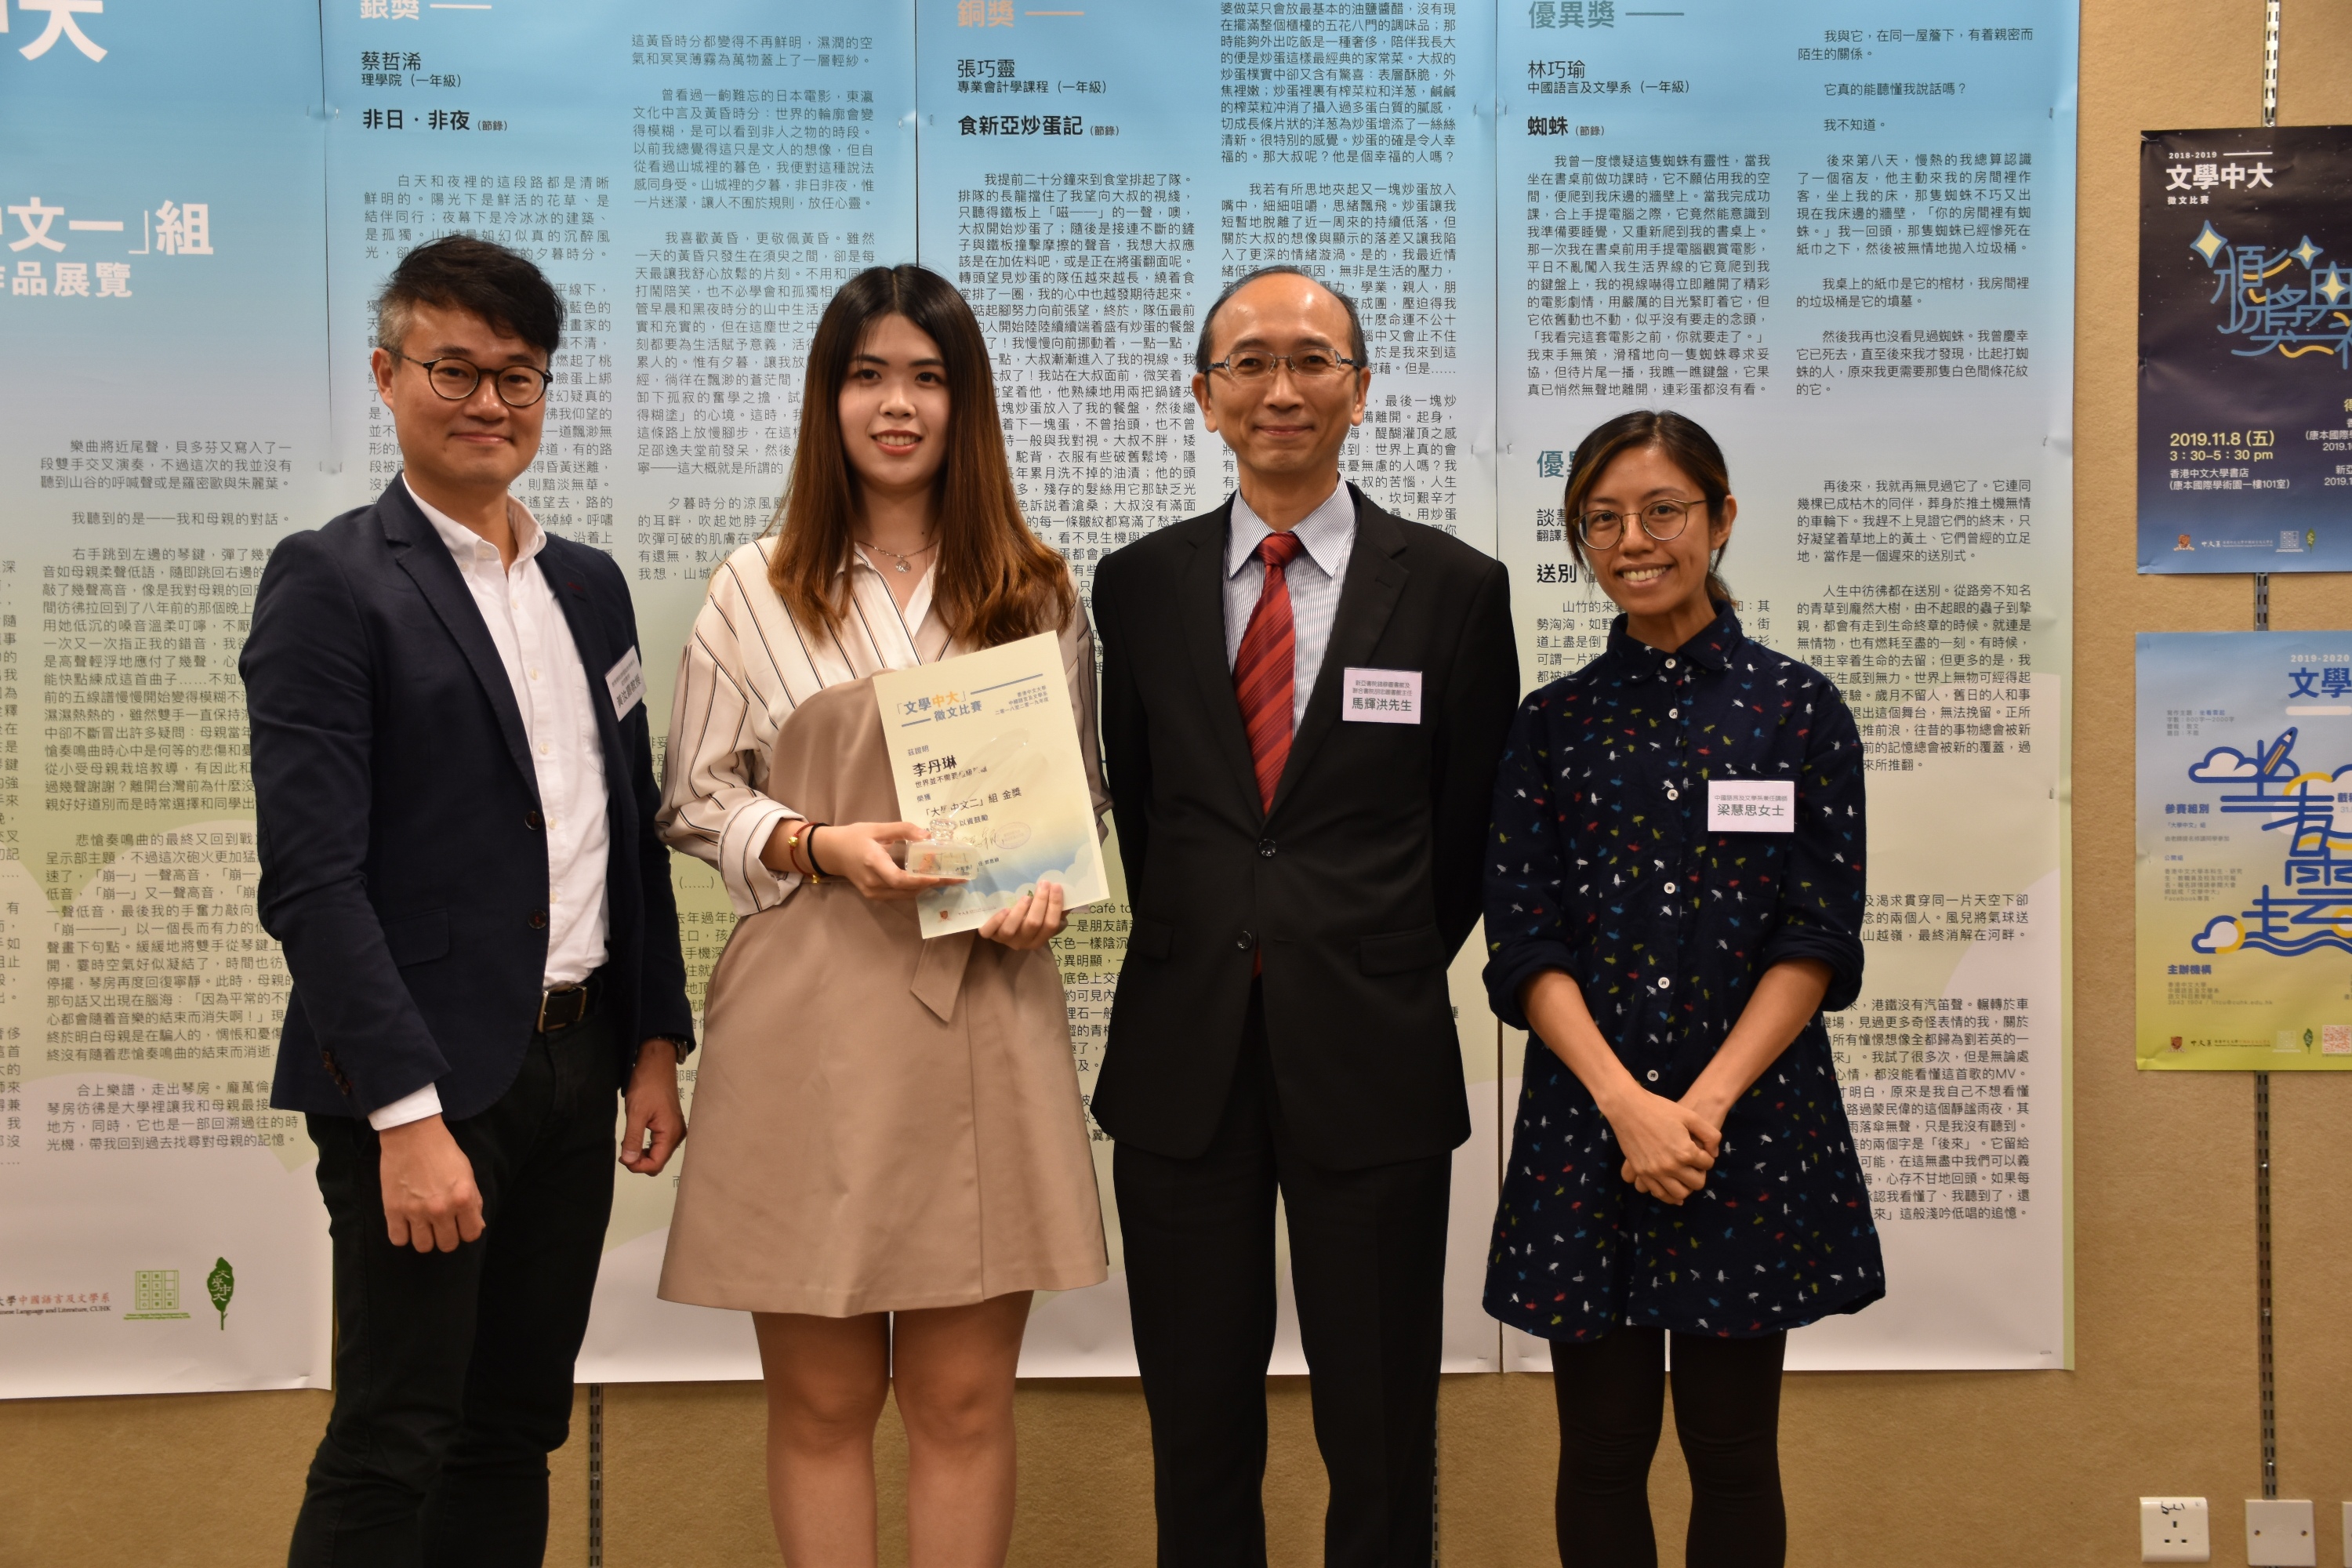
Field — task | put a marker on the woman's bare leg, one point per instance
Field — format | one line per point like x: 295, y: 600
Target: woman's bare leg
x: 826, y: 1381
x: 953, y: 1369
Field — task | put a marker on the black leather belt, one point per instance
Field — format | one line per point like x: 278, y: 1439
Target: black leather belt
x: 566, y: 1005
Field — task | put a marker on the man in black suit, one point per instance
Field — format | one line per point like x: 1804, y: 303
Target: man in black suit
x: 454, y: 789
x: 1304, y: 700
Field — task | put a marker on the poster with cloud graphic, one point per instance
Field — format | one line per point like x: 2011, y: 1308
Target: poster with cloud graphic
x: 2246, y: 349
x: 2245, y: 851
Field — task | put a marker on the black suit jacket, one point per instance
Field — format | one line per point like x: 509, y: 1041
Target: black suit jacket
x: 403, y: 863
x: 1359, y: 885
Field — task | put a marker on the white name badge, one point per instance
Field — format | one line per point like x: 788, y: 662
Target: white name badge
x: 1751, y: 805
x: 626, y: 682
x: 1380, y: 696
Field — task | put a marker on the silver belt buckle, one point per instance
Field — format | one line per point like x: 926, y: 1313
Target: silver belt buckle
x: 566, y: 991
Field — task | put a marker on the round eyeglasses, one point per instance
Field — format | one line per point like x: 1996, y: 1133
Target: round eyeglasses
x: 1660, y: 521
x: 1311, y: 364
x: 518, y: 385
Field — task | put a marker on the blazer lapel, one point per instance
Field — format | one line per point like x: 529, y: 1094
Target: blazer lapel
x: 1369, y: 596
x: 426, y: 559
x: 1201, y: 609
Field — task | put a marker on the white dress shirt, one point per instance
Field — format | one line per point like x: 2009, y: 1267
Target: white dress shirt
x: 552, y: 690
x: 1313, y: 577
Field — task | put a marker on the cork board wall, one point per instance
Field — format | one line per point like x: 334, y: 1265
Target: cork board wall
x: 1923, y: 1469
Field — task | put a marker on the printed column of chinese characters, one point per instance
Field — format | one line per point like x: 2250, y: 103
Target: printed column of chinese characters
x: 1760, y: 273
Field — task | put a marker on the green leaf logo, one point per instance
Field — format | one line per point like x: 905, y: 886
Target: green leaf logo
x: 222, y: 1284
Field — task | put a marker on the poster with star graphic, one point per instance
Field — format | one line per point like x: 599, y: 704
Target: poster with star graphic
x: 2246, y: 349
x: 2244, y: 828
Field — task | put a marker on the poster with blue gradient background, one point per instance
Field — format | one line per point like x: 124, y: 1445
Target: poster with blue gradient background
x: 2244, y: 831
x: 1844, y: 245
x: 697, y: 194
x: 1845, y: 248
x: 1092, y: 179
x: 165, y: 317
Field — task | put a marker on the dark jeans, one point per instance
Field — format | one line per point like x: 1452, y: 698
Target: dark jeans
x: 1611, y: 1395
x: 453, y: 1370
x: 1368, y: 1261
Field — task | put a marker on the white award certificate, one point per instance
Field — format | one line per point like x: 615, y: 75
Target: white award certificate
x: 984, y: 749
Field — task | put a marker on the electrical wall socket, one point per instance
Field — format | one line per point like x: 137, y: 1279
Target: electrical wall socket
x: 2279, y: 1534
x: 2177, y: 1530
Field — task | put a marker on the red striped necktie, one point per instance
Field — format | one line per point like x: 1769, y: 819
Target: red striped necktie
x: 1264, y: 670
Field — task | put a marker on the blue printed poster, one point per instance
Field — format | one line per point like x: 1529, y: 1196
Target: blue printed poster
x: 2244, y: 835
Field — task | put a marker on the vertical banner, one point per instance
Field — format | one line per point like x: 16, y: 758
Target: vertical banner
x: 2246, y: 349
x: 2244, y: 903
x: 696, y: 196
x: 1072, y: 188
x: 164, y: 314
x: 1847, y: 251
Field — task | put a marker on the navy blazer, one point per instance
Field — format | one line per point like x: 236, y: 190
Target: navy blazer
x: 1358, y: 886
x: 403, y: 863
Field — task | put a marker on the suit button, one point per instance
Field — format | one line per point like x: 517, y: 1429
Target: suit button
x: 1265, y: 848
x: 538, y: 920
x: 1246, y: 940
x: 531, y: 819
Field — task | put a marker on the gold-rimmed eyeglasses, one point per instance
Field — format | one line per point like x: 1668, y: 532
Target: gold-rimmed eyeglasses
x: 1661, y: 520
x: 518, y: 385
x: 1308, y: 365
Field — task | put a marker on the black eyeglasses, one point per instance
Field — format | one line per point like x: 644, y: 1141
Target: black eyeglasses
x: 1660, y: 521
x: 1310, y: 364
x: 518, y: 385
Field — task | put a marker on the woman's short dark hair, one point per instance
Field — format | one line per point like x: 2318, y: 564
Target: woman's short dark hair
x: 459, y: 272
x: 1201, y: 350
x: 1686, y: 444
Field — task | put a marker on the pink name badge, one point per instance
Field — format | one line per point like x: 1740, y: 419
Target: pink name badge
x: 1380, y: 696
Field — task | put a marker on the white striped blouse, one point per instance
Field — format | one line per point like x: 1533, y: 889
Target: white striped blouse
x: 746, y: 666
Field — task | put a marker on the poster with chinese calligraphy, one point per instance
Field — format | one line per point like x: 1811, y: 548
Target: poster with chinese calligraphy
x: 2246, y: 349
x: 696, y: 196
x: 1848, y: 252
x: 1091, y: 178
x: 2244, y: 851
x: 163, y: 309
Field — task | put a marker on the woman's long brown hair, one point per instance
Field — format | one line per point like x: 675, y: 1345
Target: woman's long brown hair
x: 1685, y: 442
x: 994, y: 581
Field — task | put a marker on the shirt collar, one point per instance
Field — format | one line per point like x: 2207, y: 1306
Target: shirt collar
x: 1710, y: 648
x: 466, y: 545
x: 1323, y: 531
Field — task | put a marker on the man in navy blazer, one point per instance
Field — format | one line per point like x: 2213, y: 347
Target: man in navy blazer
x: 454, y: 783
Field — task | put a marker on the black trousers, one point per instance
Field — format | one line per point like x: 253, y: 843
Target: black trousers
x: 453, y: 1370
x: 1367, y: 1260
x: 1611, y: 1395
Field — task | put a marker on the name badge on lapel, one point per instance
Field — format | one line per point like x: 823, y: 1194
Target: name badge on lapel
x: 1751, y: 805
x: 1380, y: 696
x: 626, y: 682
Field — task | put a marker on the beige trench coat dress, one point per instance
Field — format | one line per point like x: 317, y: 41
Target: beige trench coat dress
x: 881, y: 1124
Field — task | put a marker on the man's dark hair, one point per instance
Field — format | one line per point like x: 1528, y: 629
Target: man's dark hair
x: 459, y: 272
x: 1208, y: 323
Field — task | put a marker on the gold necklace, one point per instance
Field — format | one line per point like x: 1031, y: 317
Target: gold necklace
x: 894, y: 555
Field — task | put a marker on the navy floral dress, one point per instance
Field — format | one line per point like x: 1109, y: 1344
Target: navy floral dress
x: 1602, y: 866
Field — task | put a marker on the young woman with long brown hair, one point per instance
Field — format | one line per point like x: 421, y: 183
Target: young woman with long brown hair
x: 889, y: 1150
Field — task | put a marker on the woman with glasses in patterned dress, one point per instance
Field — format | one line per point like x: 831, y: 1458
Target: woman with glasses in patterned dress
x: 1675, y: 895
